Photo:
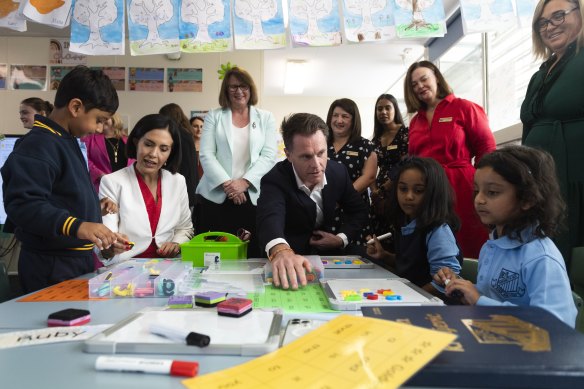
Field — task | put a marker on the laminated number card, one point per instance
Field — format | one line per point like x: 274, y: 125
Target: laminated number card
x: 347, y: 352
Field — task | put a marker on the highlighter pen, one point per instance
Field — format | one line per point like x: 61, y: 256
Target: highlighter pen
x: 143, y: 365
x: 380, y: 237
x: 180, y: 335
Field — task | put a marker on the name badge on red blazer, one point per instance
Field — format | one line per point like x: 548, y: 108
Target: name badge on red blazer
x: 445, y: 120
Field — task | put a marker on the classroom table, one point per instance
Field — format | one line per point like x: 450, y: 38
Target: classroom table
x: 66, y: 366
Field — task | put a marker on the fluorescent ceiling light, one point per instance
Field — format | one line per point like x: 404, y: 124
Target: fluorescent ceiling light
x: 295, y: 73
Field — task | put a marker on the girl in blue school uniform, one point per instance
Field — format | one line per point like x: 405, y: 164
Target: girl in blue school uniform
x: 421, y: 201
x: 517, y: 194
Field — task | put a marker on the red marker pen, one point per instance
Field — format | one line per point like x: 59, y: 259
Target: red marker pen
x: 143, y: 365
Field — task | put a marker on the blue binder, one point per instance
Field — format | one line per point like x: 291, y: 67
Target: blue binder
x: 497, y: 347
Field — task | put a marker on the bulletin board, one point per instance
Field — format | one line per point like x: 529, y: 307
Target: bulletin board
x: 132, y: 335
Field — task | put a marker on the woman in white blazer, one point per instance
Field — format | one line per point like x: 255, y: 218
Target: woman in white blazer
x: 153, y: 205
x: 238, y: 146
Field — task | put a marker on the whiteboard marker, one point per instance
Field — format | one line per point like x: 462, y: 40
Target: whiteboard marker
x: 380, y: 237
x: 143, y: 365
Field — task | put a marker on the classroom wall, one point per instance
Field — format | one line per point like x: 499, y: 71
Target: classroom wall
x: 134, y: 105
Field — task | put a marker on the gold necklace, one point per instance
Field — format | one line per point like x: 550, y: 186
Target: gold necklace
x: 115, y: 148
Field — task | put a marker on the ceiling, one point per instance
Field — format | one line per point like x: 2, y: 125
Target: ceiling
x: 330, y: 71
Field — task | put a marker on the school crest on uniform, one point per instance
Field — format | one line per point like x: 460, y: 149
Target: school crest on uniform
x: 508, y: 284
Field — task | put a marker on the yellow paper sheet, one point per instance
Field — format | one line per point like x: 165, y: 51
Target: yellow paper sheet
x: 347, y: 352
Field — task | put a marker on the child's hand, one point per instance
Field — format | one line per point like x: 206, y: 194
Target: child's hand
x: 375, y: 250
x: 168, y: 250
x: 444, y: 274
x: 467, y: 291
x: 108, y: 206
x: 120, y: 245
x: 97, y: 233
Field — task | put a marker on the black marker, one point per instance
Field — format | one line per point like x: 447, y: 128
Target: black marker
x: 180, y: 335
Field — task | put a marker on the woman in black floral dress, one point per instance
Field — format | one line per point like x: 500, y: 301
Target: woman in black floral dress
x: 347, y: 146
x: 390, y: 138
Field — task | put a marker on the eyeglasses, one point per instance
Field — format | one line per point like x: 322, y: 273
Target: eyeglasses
x: 556, y: 19
x: 234, y: 88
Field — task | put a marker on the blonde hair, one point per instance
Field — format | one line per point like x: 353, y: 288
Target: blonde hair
x: 540, y: 50
x: 117, y: 126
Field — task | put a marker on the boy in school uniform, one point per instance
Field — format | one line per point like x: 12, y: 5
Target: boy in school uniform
x: 48, y: 195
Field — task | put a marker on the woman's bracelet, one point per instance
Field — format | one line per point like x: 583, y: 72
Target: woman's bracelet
x: 278, y: 251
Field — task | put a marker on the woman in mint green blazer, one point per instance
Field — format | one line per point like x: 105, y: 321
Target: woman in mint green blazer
x: 238, y: 146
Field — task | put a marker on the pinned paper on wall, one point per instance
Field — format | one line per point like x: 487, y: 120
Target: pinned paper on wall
x: 153, y: 26
x: 487, y: 15
x: 55, y: 13
x: 98, y: 27
x: 205, y: 26
x: 146, y: 79
x: 314, y: 23
x: 29, y: 77
x: 10, y: 17
x: 525, y: 9
x: 419, y: 18
x: 184, y: 79
x: 347, y: 352
x: 258, y: 24
x: 368, y: 20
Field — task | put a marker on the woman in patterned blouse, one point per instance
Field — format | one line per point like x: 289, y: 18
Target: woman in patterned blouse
x: 390, y: 138
x: 347, y: 146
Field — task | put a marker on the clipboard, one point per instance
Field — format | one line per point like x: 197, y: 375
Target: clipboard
x: 132, y: 335
x: 409, y: 294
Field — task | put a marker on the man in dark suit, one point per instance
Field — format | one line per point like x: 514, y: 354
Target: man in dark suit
x: 297, y: 201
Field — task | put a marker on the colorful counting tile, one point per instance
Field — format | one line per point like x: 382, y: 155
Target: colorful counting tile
x: 346, y: 262
x: 394, y: 297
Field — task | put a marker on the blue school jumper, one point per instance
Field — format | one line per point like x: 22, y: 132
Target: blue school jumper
x: 47, y: 195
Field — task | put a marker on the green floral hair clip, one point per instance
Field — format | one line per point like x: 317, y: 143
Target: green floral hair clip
x: 224, y: 69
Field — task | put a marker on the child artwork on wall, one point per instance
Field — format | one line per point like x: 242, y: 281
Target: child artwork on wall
x: 487, y: 15
x: 153, y: 26
x: 419, y: 18
x: 54, y: 13
x: 98, y: 27
x: 314, y: 23
x: 258, y: 25
x: 10, y: 17
x: 205, y: 26
x: 368, y: 20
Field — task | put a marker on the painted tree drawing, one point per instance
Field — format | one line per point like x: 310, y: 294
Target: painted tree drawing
x: 202, y: 13
x: 95, y: 14
x: 256, y: 11
x: 366, y: 8
x: 151, y: 13
x: 417, y: 6
x: 311, y: 11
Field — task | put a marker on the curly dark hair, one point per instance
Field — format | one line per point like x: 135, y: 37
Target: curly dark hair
x: 533, y: 174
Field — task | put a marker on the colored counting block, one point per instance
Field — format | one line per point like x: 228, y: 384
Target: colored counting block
x: 387, y: 293
x: 337, y: 262
x: 352, y: 297
x: 364, y: 290
x: 394, y: 297
x: 358, y: 262
x: 324, y: 262
x: 372, y: 296
x: 348, y: 262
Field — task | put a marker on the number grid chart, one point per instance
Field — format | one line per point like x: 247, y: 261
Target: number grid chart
x: 347, y: 352
x: 310, y: 298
